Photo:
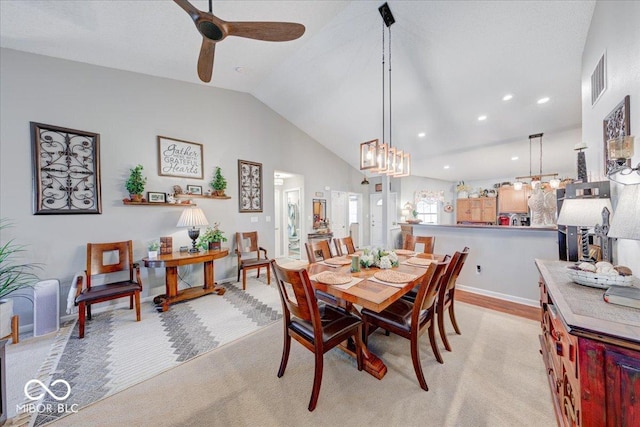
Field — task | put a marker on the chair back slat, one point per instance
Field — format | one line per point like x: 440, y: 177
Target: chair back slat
x: 411, y: 241
x: 104, y: 258
x: 453, y: 277
x: 430, y: 285
x: 318, y: 250
x: 247, y: 242
x: 344, y: 245
x: 296, y: 292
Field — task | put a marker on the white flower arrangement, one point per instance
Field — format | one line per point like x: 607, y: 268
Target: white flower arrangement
x: 378, y: 257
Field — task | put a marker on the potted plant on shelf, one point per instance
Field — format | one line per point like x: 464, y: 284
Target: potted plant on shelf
x: 212, y: 238
x: 153, y: 247
x: 218, y: 183
x: 13, y: 277
x: 135, y: 184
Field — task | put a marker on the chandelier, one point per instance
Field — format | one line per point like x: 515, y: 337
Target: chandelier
x: 536, y: 179
x: 380, y: 157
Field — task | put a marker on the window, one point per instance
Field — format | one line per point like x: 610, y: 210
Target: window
x: 427, y: 211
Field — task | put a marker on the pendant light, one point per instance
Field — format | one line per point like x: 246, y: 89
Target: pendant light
x: 536, y: 180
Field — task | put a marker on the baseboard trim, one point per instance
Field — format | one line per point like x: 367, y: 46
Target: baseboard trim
x: 509, y: 304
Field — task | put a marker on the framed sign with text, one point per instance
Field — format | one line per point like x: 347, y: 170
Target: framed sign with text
x: 250, y: 186
x: 179, y: 158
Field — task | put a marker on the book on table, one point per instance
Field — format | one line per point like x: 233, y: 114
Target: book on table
x: 623, y: 295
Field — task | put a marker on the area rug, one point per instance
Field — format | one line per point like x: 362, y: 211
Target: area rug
x: 118, y: 352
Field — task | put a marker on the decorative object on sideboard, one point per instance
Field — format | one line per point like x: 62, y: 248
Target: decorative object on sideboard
x: 135, y: 184
x: 166, y: 245
x: 602, y: 275
x: 250, y: 186
x: 193, y: 218
x: 152, y: 249
x: 626, y: 222
x: 383, y: 158
x: 66, y: 170
x: 212, y: 238
x: 584, y: 214
x: 616, y: 124
x: 219, y: 183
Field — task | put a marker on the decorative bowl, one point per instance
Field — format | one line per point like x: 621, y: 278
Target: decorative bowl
x: 598, y: 280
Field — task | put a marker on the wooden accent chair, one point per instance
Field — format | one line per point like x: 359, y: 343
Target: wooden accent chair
x: 106, y: 258
x: 344, y: 245
x: 318, y: 327
x: 248, y: 253
x: 446, y: 298
x: 318, y: 250
x: 410, y: 320
x: 410, y: 242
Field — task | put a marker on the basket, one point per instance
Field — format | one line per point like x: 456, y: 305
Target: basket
x: 598, y: 280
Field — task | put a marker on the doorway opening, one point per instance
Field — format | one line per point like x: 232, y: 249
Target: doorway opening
x: 289, y: 213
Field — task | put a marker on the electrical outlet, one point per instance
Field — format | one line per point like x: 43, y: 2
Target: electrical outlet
x: 478, y: 269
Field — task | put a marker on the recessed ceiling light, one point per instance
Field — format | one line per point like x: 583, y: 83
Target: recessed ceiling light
x: 543, y: 100
x: 481, y: 118
x: 515, y: 158
x: 446, y: 166
x: 507, y: 97
x: 422, y: 135
x: 239, y: 70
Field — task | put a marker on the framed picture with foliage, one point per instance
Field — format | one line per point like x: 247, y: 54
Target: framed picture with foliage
x: 66, y: 170
x: 250, y: 186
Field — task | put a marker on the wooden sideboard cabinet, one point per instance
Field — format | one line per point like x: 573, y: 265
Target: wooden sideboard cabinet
x: 480, y: 209
x: 511, y: 200
x: 591, y: 352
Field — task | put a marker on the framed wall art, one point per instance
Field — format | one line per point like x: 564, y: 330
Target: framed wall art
x: 195, y: 189
x: 179, y: 158
x: 250, y: 186
x: 66, y: 170
x: 617, y: 123
x: 155, y: 197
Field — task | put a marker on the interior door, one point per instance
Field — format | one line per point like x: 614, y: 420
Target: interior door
x: 339, y: 211
x: 277, y: 223
x: 377, y: 229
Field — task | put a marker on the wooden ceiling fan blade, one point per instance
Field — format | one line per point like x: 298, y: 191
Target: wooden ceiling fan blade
x: 205, y: 60
x: 189, y: 8
x: 267, y: 31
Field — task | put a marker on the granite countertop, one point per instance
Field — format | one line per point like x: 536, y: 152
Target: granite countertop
x: 485, y: 226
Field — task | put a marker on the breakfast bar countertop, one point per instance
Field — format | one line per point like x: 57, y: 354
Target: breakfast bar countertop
x: 486, y: 226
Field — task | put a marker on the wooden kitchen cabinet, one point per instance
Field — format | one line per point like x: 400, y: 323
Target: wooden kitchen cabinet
x: 591, y: 352
x: 479, y: 210
x: 511, y: 200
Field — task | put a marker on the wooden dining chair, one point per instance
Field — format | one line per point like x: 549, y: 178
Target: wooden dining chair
x: 411, y: 241
x: 318, y: 327
x: 410, y: 320
x: 248, y: 253
x: 318, y: 250
x: 104, y: 259
x: 446, y: 298
x: 344, y: 245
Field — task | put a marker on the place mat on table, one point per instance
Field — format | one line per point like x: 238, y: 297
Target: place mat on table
x: 420, y: 262
x: 392, y: 278
x: 337, y: 261
x: 323, y: 262
x: 404, y: 252
x: 337, y: 280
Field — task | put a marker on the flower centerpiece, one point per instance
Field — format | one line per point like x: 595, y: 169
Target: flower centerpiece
x: 212, y: 237
x: 378, y: 257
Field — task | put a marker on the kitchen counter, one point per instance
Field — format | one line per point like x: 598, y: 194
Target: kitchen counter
x: 495, y: 227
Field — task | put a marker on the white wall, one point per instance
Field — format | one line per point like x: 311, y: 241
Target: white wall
x: 129, y: 110
x: 411, y: 184
x: 615, y: 28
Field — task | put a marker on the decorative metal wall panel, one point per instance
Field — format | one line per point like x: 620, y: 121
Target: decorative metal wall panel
x: 250, y: 185
x: 66, y: 170
x: 617, y: 123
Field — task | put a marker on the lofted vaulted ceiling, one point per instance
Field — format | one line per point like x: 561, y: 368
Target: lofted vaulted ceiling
x: 453, y: 61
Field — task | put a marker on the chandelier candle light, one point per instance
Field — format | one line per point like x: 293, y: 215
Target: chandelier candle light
x: 193, y: 218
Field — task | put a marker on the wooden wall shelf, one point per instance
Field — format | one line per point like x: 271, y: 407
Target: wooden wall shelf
x: 157, y: 204
x: 200, y: 196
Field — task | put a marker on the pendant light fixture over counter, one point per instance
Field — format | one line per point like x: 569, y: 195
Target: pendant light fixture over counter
x: 536, y: 179
x: 383, y: 158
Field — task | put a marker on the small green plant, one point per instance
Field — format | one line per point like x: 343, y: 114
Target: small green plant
x: 14, y: 275
x: 153, y: 246
x: 211, y: 235
x: 218, y: 183
x: 136, y: 182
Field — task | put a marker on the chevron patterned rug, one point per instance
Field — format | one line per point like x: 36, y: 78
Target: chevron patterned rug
x: 118, y: 352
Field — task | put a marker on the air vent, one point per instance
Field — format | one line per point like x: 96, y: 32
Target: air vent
x: 599, y: 80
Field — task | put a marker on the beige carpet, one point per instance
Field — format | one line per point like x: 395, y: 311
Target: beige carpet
x: 494, y: 377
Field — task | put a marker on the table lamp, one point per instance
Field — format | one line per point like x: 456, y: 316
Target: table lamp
x: 584, y: 214
x: 626, y: 224
x: 193, y: 218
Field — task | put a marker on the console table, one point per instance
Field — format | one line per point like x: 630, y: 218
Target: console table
x: 171, y: 262
x: 591, y: 351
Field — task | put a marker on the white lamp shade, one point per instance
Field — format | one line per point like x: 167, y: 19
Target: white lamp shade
x: 626, y: 224
x: 583, y: 212
x: 192, y: 217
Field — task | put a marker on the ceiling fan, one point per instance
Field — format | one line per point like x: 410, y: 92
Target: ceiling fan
x: 214, y: 30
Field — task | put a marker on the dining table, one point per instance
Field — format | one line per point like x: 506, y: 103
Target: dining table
x: 365, y: 290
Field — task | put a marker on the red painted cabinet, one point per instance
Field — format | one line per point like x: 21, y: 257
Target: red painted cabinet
x: 591, y: 352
